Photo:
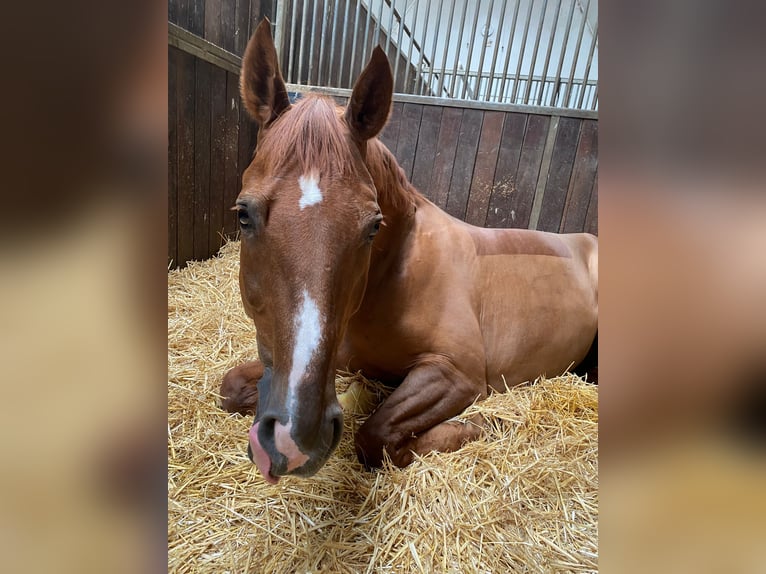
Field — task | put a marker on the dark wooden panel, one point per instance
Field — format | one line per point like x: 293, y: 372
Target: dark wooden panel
x: 197, y: 17
x: 426, y: 150
x: 523, y: 194
x: 484, y: 170
x: 213, y: 21
x: 178, y: 12
x: 499, y: 211
x: 581, y: 184
x: 559, y: 174
x: 202, y: 160
x: 465, y: 158
x: 449, y: 134
x: 231, y: 159
x: 591, y: 219
x: 185, y: 118
x: 241, y: 19
x: 390, y: 134
x: 408, y: 137
x: 228, y: 24
x: 217, y: 157
x: 173, y: 55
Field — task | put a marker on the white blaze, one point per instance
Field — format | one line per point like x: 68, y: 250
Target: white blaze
x: 307, y: 337
x: 310, y: 192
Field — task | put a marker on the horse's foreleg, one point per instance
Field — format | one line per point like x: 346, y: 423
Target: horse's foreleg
x: 414, y: 418
x: 239, y: 392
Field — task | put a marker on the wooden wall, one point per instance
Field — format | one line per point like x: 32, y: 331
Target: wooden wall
x: 491, y: 166
x: 500, y: 169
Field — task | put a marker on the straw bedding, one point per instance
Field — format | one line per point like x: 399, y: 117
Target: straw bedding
x: 521, y: 499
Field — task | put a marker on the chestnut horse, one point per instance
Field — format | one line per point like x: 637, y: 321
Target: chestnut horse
x: 345, y: 264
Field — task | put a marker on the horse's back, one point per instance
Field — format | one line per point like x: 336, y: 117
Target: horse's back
x: 537, y: 301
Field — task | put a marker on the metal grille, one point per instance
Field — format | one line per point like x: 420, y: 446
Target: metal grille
x: 534, y: 52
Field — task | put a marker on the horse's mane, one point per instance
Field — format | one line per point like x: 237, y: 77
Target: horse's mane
x: 313, y: 134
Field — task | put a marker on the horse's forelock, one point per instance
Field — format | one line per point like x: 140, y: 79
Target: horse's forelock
x: 312, y: 134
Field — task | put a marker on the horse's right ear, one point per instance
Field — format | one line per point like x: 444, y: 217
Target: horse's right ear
x: 370, y: 102
x: 260, y: 81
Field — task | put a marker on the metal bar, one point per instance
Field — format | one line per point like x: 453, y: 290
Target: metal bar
x: 279, y: 29
x: 412, y: 45
x: 378, y: 24
x: 470, y: 50
x: 555, y: 91
x: 419, y: 80
x: 576, y: 55
x: 302, y: 51
x: 202, y: 49
x: 508, y: 52
x: 366, y: 29
x: 534, y: 51
x: 590, y: 61
x: 432, y: 62
x: 390, y: 24
x: 334, y: 34
x: 594, y: 105
x: 444, y: 53
x: 498, y: 28
x: 353, y: 40
x: 457, y: 52
x: 291, y: 71
x: 322, y: 42
x: 311, y: 39
x: 548, y: 52
x: 521, y: 54
x: 484, y: 49
x: 399, y: 44
x: 343, y: 41
x: 453, y: 103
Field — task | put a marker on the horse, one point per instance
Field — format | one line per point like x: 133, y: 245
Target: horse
x: 343, y: 264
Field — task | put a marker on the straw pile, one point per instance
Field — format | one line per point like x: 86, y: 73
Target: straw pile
x: 521, y: 499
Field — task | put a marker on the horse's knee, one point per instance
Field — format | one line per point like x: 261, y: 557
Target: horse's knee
x: 239, y: 391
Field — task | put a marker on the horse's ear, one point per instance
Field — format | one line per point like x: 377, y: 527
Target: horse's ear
x: 370, y: 104
x: 260, y: 81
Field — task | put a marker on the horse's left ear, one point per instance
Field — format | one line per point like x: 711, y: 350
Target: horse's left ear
x: 260, y: 82
x: 370, y: 104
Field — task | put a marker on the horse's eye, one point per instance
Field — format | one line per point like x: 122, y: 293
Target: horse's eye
x: 244, y: 218
x: 375, y: 227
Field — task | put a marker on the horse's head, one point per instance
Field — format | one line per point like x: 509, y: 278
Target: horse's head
x: 308, y: 213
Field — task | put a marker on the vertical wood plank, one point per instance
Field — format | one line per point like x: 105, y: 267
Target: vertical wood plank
x: 591, y: 219
x: 228, y: 24
x: 173, y: 11
x: 390, y: 134
x: 408, y: 137
x: 182, y: 10
x: 172, y: 156
x: 583, y: 175
x: 484, y: 170
x: 444, y: 162
x: 465, y: 159
x: 559, y: 174
x: 231, y: 157
x: 202, y: 160
x: 523, y: 194
x: 426, y: 150
x: 197, y: 17
x: 217, y: 157
x: 506, y: 171
x: 241, y: 18
x: 213, y: 22
x: 185, y: 111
